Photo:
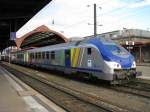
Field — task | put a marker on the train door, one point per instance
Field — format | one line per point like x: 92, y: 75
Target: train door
x: 89, y: 57
x: 67, y: 58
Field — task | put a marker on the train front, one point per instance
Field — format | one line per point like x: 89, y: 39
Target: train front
x: 117, y: 61
x: 121, y: 62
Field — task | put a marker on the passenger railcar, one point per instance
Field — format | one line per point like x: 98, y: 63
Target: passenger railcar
x: 97, y: 57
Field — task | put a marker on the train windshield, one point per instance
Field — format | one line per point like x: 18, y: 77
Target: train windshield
x: 117, y: 49
x: 114, y: 48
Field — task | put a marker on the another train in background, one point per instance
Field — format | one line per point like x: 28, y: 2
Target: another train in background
x: 95, y: 57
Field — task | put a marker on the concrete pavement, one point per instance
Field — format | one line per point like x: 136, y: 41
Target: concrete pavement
x: 9, y: 99
x: 16, y: 96
x: 145, y: 72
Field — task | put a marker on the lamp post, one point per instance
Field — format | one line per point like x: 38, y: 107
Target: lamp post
x: 129, y: 39
x: 95, y: 21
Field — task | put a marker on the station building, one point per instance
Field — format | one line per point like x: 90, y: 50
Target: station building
x: 134, y: 40
x: 39, y: 37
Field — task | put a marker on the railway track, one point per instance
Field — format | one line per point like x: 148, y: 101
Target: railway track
x: 135, y: 87
x: 139, y: 85
x: 70, y: 100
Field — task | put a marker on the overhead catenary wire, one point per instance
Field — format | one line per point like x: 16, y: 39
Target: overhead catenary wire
x: 87, y: 19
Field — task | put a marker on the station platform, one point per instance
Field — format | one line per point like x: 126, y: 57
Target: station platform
x: 145, y: 72
x: 15, y: 96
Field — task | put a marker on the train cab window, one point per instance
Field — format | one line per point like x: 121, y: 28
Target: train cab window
x: 47, y: 55
x: 89, y: 51
x: 53, y: 55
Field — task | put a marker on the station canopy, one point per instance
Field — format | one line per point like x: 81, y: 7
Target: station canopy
x: 41, y: 36
x: 13, y: 15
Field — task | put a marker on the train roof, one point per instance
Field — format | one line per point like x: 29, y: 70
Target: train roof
x: 72, y: 44
x: 62, y: 45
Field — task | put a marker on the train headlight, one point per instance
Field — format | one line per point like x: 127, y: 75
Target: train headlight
x: 113, y: 65
x: 133, y: 65
x: 116, y: 65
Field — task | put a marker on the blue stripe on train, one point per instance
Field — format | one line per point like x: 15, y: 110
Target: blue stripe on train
x: 76, y: 68
x: 88, y: 69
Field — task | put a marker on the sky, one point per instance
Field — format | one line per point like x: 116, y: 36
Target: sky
x: 74, y: 18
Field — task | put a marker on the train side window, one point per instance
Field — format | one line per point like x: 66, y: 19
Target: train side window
x: 89, y: 51
x: 67, y: 53
x: 36, y: 55
x: 39, y: 55
x: 33, y: 55
x: 43, y: 55
x: 21, y: 56
x: 47, y: 55
x: 53, y: 55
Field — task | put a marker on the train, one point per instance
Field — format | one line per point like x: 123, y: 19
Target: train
x: 96, y: 57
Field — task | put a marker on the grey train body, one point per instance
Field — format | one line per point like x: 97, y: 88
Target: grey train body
x: 81, y: 56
